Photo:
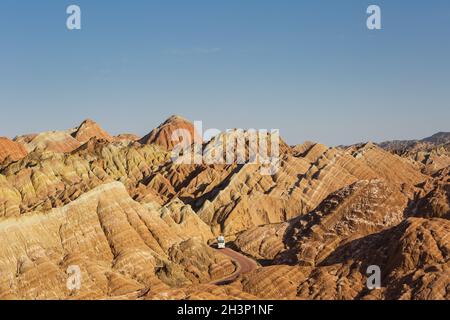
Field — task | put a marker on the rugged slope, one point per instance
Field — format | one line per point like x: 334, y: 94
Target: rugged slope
x: 138, y: 225
x: 302, y: 182
x: 52, y: 141
x: 11, y: 151
x: 431, y: 154
x: 433, y: 197
x: 44, y: 180
x: 120, y: 246
x: 413, y: 258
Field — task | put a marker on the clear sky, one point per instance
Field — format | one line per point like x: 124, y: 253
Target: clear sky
x: 309, y: 68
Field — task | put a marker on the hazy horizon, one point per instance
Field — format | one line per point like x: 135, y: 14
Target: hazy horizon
x: 311, y: 69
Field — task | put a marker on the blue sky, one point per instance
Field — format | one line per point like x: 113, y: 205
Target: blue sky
x: 309, y: 68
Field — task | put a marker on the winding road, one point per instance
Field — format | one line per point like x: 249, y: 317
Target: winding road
x: 244, y: 265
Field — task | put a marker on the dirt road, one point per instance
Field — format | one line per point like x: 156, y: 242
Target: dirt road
x: 244, y: 265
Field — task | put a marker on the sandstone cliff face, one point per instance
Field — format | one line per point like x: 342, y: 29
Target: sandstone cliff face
x: 11, y: 151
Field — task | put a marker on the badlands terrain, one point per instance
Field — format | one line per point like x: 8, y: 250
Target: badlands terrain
x: 139, y: 226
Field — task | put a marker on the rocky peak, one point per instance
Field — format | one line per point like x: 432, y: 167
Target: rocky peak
x: 90, y: 129
x: 162, y: 135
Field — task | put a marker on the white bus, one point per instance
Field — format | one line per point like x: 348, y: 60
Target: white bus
x: 221, y: 242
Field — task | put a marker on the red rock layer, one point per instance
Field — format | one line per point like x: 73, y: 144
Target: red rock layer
x: 163, y: 135
x: 90, y: 129
x: 10, y: 149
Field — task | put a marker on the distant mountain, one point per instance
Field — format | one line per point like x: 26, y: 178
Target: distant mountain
x: 439, y: 138
x: 407, y: 145
x: 432, y: 153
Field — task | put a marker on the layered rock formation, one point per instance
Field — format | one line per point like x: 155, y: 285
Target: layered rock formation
x: 431, y: 154
x: 164, y: 134
x: 11, y: 151
x: 413, y: 259
x: 433, y: 197
x: 43, y: 180
x: 52, y: 141
x: 90, y: 129
x: 138, y: 225
x: 127, y: 137
x: 360, y: 209
x: 119, y: 245
x: 303, y: 181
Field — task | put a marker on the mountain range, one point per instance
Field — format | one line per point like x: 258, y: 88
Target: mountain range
x: 139, y: 226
